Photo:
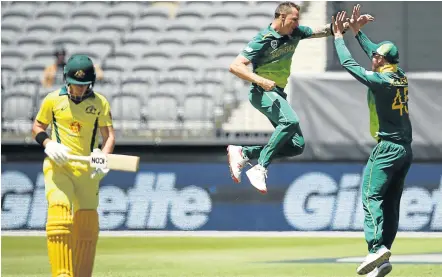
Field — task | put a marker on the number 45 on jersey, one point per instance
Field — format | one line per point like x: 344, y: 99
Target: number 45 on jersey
x: 400, y: 102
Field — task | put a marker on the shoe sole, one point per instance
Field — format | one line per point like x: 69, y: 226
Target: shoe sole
x: 230, y: 167
x: 372, y: 265
x: 384, y: 271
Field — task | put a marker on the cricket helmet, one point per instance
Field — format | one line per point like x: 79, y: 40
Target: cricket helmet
x: 388, y: 50
x: 79, y: 70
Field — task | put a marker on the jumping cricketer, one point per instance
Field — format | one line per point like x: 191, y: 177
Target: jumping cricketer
x: 76, y: 113
x: 270, y: 52
x: 390, y: 126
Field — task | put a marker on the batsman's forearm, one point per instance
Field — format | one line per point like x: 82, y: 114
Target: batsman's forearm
x: 366, y: 44
x: 108, y: 145
x: 36, y: 130
x: 244, y: 73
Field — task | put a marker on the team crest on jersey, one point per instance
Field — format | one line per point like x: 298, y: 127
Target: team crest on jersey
x: 80, y: 74
x: 91, y: 109
x: 274, y: 44
x: 75, y: 127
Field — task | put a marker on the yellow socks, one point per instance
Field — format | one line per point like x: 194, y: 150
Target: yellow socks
x: 85, y: 236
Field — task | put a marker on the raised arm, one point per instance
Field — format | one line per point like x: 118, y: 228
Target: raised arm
x: 323, y: 31
x: 356, y: 23
x: 368, y: 78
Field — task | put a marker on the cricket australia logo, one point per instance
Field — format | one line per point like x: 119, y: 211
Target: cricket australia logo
x: 91, y: 109
x: 274, y: 44
x: 80, y: 74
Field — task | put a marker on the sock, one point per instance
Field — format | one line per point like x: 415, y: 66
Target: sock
x: 59, y: 238
x: 85, y: 241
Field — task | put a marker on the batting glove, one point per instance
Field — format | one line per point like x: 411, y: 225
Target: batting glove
x: 57, y: 152
x: 99, y: 173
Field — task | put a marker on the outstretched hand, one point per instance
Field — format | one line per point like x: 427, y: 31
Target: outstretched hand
x: 357, y: 21
x: 338, y: 24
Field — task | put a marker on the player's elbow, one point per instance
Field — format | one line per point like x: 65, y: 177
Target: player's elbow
x: 233, y: 68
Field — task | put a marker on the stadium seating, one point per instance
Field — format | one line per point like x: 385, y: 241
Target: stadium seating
x: 154, y: 55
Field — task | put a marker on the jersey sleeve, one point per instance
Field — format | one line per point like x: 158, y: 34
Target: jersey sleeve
x: 303, y: 32
x: 366, y: 44
x: 44, y: 115
x: 368, y: 78
x: 105, y: 117
x: 253, y: 49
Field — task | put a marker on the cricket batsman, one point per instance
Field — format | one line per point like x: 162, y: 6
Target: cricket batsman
x: 76, y: 114
x: 390, y: 126
x: 270, y: 52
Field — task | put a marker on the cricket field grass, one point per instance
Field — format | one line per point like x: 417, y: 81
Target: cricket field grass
x: 220, y: 256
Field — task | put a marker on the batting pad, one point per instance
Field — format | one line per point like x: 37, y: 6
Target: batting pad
x: 85, y: 241
x: 59, y: 238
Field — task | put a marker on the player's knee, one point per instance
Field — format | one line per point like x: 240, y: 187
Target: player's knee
x: 59, y: 221
x: 58, y: 197
x: 292, y: 123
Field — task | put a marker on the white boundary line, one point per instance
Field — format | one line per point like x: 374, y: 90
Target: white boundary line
x: 219, y: 234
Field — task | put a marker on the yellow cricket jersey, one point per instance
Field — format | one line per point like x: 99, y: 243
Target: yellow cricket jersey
x: 75, y: 125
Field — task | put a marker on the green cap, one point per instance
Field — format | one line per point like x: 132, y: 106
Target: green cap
x: 389, y: 51
x: 79, y: 70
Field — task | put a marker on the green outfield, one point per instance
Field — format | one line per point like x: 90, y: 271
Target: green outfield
x: 193, y: 257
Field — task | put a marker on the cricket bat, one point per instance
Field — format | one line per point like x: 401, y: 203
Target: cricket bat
x: 111, y: 161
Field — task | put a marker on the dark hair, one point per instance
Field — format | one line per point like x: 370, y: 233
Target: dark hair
x: 285, y: 8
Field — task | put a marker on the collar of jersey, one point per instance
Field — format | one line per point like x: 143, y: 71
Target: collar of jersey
x: 388, y: 68
x: 64, y: 91
x: 273, y: 31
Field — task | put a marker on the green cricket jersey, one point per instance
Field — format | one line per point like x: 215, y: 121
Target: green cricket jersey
x: 387, y: 93
x: 271, y: 54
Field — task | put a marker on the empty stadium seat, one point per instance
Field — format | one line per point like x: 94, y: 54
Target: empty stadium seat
x: 85, y: 13
x: 26, y: 6
x: 102, y: 44
x: 157, y: 13
x: 107, y: 89
x: 126, y: 112
x: 223, y: 14
x: 198, y: 112
x: 12, y: 58
x: 200, y: 5
x: 260, y: 14
x: 39, y: 30
x: 95, y: 5
x: 172, y: 85
x: 146, y: 68
x: 17, y: 113
x: 162, y: 112
x: 235, y: 5
x: 157, y: 57
x: 61, y: 6
x: 135, y: 44
x: 136, y: 86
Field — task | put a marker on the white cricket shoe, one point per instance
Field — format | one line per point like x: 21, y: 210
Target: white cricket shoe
x: 236, y: 162
x: 257, y: 176
x: 381, y: 270
x: 374, y: 260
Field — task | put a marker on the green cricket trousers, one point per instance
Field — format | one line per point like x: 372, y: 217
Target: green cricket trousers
x: 287, y: 139
x: 382, y: 187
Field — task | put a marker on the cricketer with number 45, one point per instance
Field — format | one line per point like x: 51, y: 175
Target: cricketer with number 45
x: 75, y: 165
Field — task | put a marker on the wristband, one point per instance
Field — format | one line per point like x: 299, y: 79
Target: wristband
x: 41, y: 137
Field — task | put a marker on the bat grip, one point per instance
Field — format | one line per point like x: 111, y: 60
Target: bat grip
x: 79, y: 158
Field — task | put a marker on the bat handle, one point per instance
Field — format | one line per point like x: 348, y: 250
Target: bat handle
x: 79, y: 158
